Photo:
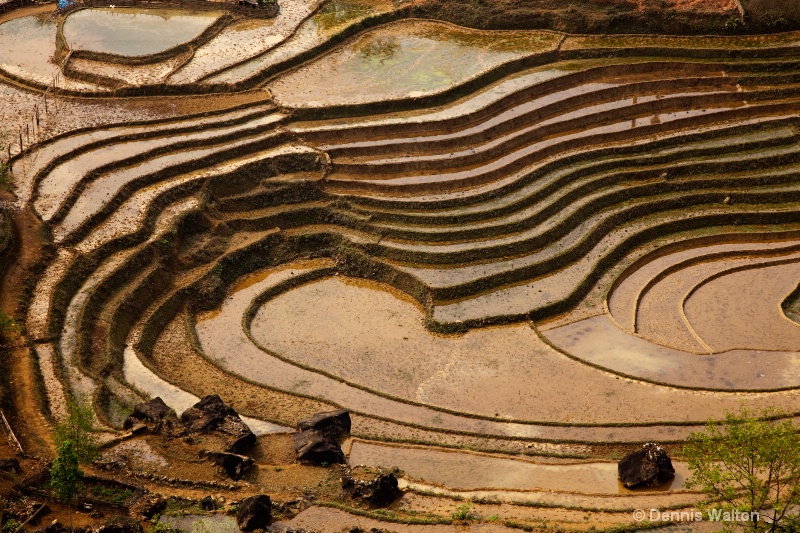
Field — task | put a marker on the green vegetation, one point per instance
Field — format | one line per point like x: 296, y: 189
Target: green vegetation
x: 66, y: 477
x: 748, y: 464
x: 11, y: 525
x: 462, y: 512
x: 114, y: 495
x: 8, y: 326
x: 77, y: 429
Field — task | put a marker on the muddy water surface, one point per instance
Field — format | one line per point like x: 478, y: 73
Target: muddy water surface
x: 133, y: 31
x: 741, y: 308
x: 27, y: 45
x: 470, y: 471
x: 599, y: 341
x: 242, y: 40
x: 371, y: 335
x: 402, y: 60
x: 330, y: 19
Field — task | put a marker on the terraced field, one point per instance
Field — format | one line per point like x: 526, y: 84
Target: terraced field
x: 559, y: 244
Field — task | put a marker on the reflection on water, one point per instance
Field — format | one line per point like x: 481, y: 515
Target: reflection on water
x: 380, y: 49
x: 406, y: 59
x: 134, y: 32
x: 339, y: 12
x: 332, y: 18
x: 26, y: 46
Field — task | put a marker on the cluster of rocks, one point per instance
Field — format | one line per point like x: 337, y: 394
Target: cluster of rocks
x: 209, y: 415
x: 317, y: 441
x: 648, y: 467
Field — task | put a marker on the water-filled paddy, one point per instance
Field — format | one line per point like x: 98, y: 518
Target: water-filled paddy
x: 27, y: 45
x: 368, y: 334
x: 403, y: 60
x: 331, y: 18
x: 468, y: 471
x: 243, y: 40
x: 133, y: 31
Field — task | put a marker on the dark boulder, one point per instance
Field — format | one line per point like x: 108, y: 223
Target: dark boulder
x: 10, y: 465
x: 648, y: 467
x: 314, y: 446
x: 207, y: 415
x: 212, y: 414
x: 371, y: 485
x: 334, y: 424
x: 208, y: 503
x: 232, y: 464
x: 157, y: 416
x: 152, y: 411
x: 254, y: 512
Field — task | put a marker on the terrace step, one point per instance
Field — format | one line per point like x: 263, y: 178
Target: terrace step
x: 34, y: 163
x: 413, y: 207
x: 573, y: 99
x: 552, y: 292
x: 502, y: 167
x: 60, y: 182
x: 87, y: 207
x: 487, y: 218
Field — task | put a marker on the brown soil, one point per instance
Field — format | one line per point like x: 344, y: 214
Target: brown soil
x: 18, y: 104
x: 589, y: 16
x: 22, y: 400
x: 177, y: 362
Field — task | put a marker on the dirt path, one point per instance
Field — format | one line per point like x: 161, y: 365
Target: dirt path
x: 31, y: 427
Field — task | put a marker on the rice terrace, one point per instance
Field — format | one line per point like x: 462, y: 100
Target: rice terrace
x: 391, y: 265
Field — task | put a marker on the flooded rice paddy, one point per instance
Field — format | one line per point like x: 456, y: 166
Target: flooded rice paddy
x: 134, y: 32
x: 468, y: 471
x: 332, y: 17
x: 26, y: 47
x: 404, y: 60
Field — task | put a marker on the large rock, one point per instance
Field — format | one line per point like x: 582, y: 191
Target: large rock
x: 334, y: 424
x: 233, y: 464
x: 314, y: 446
x: 152, y: 411
x: 371, y: 485
x: 208, y: 503
x: 212, y: 414
x: 207, y: 415
x: 254, y: 513
x: 158, y: 416
x: 648, y: 467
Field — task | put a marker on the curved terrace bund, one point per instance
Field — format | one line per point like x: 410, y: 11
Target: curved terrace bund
x: 448, y: 250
